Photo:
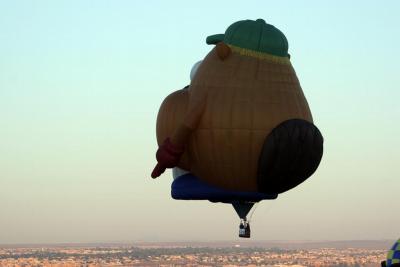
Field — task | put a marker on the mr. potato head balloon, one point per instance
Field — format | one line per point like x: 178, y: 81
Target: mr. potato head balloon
x: 243, y: 123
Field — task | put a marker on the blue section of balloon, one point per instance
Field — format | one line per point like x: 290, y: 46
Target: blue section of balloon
x: 189, y: 187
x: 394, y: 254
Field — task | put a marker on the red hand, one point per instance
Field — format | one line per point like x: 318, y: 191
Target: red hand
x: 168, y: 156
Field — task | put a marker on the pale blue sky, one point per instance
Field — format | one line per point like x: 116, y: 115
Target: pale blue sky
x: 80, y: 87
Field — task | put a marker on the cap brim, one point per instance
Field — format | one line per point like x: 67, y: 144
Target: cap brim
x: 215, y: 39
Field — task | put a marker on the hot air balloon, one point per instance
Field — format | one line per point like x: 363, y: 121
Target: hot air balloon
x: 242, y: 131
x: 393, y: 256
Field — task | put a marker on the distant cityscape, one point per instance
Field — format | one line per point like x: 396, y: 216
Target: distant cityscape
x: 194, y: 254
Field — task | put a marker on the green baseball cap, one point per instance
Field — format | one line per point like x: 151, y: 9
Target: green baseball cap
x: 253, y: 35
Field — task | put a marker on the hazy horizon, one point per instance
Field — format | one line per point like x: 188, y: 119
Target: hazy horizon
x: 80, y: 88
x: 381, y: 244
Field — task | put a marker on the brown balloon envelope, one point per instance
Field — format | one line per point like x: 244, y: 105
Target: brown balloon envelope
x: 242, y: 99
